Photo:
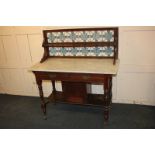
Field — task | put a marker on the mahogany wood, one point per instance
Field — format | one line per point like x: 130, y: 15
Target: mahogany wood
x: 78, y: 44
x: 74, y: 92
x: 92, y: 99
x: 69, y: 94
x: 74, y: 84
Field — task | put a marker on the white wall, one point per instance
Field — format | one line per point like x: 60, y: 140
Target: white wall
x: 20, y: 48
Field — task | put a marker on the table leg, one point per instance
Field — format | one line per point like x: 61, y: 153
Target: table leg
x: 107, y: 97
x: 54, y: 91
x: 43, y: 104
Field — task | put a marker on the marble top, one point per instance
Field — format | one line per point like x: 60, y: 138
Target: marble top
x: 77, y: 65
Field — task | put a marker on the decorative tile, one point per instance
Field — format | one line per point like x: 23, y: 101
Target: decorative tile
x: 67, y: 36
x: 82, y: 51
x: 81, y: 36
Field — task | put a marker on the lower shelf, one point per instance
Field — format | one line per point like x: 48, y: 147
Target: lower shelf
x: 92, y: 99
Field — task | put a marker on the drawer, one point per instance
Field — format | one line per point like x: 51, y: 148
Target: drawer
x: 86, y: 77
x: 80, y: 77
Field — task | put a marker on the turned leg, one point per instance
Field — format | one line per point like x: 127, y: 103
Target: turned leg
x: 107, y: 97
x: 54, y: 91
x: 43, y: 104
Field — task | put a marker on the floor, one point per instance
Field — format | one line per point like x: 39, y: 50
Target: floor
x: 20, y: 112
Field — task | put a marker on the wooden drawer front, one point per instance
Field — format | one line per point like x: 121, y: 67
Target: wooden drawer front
x: 77, y: 77
x: 86, y: 77
x: 51, y: 76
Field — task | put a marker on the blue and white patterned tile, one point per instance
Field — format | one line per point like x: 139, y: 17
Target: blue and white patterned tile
x: 52, y: 51
x: 80, y: 54
x: 68, y: 52
x: 90, y: 52
x: 50, y: 37
x: 78, y: 36
x: 58, y: 37
x: 108, y: 36
x: 109, y: 51
x: 58, y: 51
x: 67, y: 37
x: 81, y: 51
x: 90, y: 36
x: 81, y: 36
x: 99, y: 36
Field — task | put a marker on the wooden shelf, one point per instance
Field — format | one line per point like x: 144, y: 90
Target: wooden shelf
x: 92, y: 99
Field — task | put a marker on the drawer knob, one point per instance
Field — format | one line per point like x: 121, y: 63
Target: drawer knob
x: 86, y: 77
x: 52, y: 75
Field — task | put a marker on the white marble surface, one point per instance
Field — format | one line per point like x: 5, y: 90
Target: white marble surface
x: 77, y: 65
